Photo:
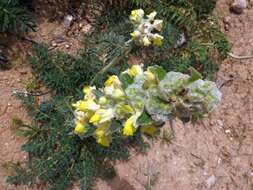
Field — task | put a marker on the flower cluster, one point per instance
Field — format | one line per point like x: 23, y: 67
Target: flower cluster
x: 142, y: 99
x: 144, y: 28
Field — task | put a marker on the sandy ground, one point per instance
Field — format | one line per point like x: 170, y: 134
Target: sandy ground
x: 217, y: 154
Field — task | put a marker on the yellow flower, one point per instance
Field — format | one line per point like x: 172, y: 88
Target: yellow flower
x: 115, y: 93
x: 88, y: 91
x: 95, y: 118
x: 135, y: 34
x: 102, y: 116
x: 135, y: 70
x: 101, y: 134
x: 149, y: 130
x: 129, y: 128
x: 89, y: 105
x: 130, y: 125
x: 157, y: 40
x: 104, y: 141
x: 112, y: 80
x: 158, y: 24
x: 80, y: 128
x: 152, y: 15
x: 136, y: 15
x: 146, y: 41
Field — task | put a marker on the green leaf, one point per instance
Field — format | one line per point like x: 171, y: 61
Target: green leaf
x: 158, y: 71
x: 126, y: 80
x: 144, y: 119
x: 195, y: 75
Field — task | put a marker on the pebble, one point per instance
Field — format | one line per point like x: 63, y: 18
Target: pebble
x: 67, y: 46
x: 227, y: 131
x: 54, y: 44
x: 68, y: 21
x: 238, y: 6
x: 210, y: 182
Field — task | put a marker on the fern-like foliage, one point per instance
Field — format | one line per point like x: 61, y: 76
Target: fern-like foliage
x: 14, y: 18
x: 57, y: 156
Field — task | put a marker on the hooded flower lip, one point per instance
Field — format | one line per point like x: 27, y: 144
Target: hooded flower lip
x: 157, y: 40
x: 130, y: 125
x: 102, y: 136
x: 113, y: 80
x: 88, y: 105
x: 102, y: 116
x: 80, y: 128
x: 135, y: 70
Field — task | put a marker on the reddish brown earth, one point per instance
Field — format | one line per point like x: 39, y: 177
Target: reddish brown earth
x: 217, y: 154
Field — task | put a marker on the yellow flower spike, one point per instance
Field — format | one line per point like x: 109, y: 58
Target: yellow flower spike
x: 146, y: 41
x: 95, y: 118
x: 152, y: 15
x: 149, y: 130
x: 80, y: 128
x: 135, y: 70
x: 157, y: 40
x: 158, y: 24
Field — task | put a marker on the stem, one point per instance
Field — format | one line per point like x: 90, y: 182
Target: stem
x: 240, y: 57
x: 113, y: 62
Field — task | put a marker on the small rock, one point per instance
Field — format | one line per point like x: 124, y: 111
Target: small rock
x: 68, y: 21
x: 67, y: 46
x: 238, y: 6
x: 80, y: 25
x: 210, y: 181
x: 227, y: 131
x: 9, y: 105
x: 54, y: 44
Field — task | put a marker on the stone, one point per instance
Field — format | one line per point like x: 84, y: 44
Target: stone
x: 210, y: 182
x: 238, y: 6
x: 68, y: 21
